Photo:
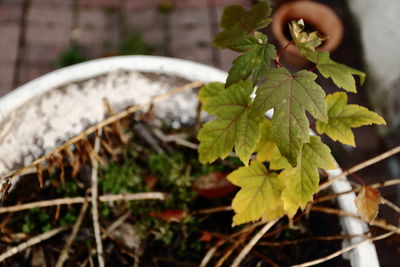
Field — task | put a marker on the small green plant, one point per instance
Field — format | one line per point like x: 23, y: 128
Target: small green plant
x: 133, y: 44
x: 36, y: 220
x: 290, y: 179
x: 71, y: 56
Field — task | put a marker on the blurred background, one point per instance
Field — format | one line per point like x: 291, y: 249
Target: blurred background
x: 39, y: 36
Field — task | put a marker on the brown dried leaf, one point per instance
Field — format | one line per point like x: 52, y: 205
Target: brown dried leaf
x: 60, y: 163
x: 367, y: 203
x: 52, y: 163
x: 39, y: 175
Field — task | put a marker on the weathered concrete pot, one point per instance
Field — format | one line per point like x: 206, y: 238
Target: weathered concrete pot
x: 49, y: 110
x: 319, y: 16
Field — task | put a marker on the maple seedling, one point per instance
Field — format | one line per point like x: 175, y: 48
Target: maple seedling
x: 289, y: 181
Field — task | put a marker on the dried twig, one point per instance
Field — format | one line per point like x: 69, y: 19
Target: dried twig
x: 116, y: 224
x: 390, y: 204
x: 210, y: 253
x: 108, y: 121
x: 93, y: 200
x: 252, y: 243
x: 357, y: 189
x: 342, y: 251
x: 319, y: 238
x: 31, y: 242
x: 80, y: 200
x: 212, y: 210
x: 377, y: 222
x: 64, y: 253
x: 230, y: 250
x: 361, y: 166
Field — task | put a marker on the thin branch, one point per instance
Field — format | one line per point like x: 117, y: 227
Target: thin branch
x: 377, y: 222
x: 212, y: 210
x: 31, y: 242
x: 252, y: 243
x: 93, y: 200
x: 342, y: 251
x: 361, y: 166
x: 80, y: 200
x: 210, y: 253
x: 318, y: 238
x: 232, y: 248
x: 116, y: 224
x: 390, y: 204
x: 108, y: 121
x: 64, y: 253
x: 357, y: 189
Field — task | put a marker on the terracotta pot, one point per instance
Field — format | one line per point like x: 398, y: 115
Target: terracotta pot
x: 318, y: 16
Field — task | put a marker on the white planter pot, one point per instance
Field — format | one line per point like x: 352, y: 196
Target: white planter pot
x: 49, y: 110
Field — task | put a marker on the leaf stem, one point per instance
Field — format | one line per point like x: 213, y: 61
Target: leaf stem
x: 279, y: 53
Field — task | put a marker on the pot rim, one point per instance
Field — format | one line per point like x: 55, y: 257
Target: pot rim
x: 363, y: 255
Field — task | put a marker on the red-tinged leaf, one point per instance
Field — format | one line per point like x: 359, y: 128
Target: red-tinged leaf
x: 213, y: 185
x: 367, y: 203
x: 150, y: 181
x: 169, y: 215
x: 206, y: 236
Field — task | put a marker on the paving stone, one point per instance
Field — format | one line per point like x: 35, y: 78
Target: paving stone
x: 6, y: 71
x: 10, y: 12
x: 100, y: 3
x: 6, y: 76
x: 142, y: 4
x: 190, y: 35
x: 30, y: 71
x: 98, y: 31
x: 4, y: 88
x: 43, y: 53
x: 9, y: 42
x: 197, y: 3
x: 144, y: 19
x: 227, y: 56
x: 47, y: 14
x: 48, y: 24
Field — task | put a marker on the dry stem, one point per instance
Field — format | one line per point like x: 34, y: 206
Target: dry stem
x: 93, y: 200
x: 377, y: 222
x: 64, y: 253
x: 210, y: 253
x: 252, y: 243
x: 80, y: 200
x: 361, y: 166
x: 342, y: 251
x: 31, y: 242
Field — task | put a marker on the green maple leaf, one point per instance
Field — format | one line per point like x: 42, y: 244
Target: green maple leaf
x: 237, y: 23
x: 255, y: 60
x: 259, y: 195
x: 340, y: 74
x: 304, y: 41
x: 209, y: 91
x: 290, y: 96
x: 234, y: 125
x: 267, y: 150
x: 303, y: 180
x: 343, y: 117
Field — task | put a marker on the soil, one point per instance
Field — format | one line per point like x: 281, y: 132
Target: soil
x: 177, y: 231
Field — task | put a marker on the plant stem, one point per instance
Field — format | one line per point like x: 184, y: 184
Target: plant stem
x: 252, y: 243
x: 279, y: 53
x: 361, y: 166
